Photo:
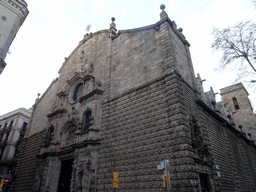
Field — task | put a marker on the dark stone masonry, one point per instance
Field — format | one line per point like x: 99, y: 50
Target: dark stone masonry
x: 125, y: 101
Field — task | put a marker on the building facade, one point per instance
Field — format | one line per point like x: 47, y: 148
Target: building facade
x: 125, y: 101
x: 12, y: 129
x: 12, y: 15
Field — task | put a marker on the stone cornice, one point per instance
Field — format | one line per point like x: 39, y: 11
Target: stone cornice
x: 58, y: 111
x: 20, y: 6
x: 94, y: 92
x: 156, y: 26
x: 224, y: 91
x: 159, y: 78
x: 70, y: 148
x: 21, y: 111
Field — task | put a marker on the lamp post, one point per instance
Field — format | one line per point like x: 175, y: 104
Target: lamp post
x: 88, y: 165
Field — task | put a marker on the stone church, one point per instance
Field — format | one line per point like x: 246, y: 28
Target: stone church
x: 124, y: 101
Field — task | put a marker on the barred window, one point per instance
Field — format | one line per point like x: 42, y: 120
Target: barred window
x: 235, y: 103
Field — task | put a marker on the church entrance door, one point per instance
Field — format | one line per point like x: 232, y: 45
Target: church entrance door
x: 204, y: 182
x: 65, y: 176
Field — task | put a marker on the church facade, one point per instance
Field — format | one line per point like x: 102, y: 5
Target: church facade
x: 125, y: 101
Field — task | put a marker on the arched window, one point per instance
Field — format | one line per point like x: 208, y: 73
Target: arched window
x: 78, y: 91
x: 235, y: 103
x: 49, y: 136
x: 86, y: 120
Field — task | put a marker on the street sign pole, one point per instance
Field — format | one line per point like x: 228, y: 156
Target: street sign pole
x: 166, y: 164
x: 163, y: 166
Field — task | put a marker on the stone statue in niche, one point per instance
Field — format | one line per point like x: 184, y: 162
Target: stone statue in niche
x: 77, y: 175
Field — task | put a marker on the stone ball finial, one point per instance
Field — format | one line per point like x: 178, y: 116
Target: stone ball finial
x: 113, y: 19
x: 38, y: 94
x: 162, y: 7
x: 180, y: 30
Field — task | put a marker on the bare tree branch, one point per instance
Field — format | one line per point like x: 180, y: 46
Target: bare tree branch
x: 237, y: 44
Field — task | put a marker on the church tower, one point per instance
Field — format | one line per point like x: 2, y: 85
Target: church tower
x: 12, y: 15
x: 237, y: 103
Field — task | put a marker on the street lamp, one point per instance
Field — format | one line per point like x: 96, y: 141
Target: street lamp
x: 88, y: 165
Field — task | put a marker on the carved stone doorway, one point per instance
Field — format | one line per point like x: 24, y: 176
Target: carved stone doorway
x: 204, y: 182
x: 65, y: 176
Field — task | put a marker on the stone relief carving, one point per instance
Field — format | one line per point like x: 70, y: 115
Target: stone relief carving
x: 77, y: 181
x: 197, y: 139
x: 71, y: 136
x: 72, y: 116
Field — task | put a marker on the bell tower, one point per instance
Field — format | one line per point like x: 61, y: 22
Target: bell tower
x: 236, y: 101
x: 12, y: 15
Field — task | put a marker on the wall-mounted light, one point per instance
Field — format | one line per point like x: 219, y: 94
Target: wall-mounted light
x: 88, y: 166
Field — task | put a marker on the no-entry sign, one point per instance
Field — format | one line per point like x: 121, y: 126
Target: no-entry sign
x: 6, y: 180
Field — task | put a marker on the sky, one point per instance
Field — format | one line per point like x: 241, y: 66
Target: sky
x: 53, y: 29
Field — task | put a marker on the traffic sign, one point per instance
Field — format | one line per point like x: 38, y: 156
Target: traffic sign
x: 6, y: 180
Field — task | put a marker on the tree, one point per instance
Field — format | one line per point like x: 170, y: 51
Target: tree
x: 238, y: 45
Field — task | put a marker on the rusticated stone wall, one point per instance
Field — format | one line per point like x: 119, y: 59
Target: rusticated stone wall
x: 232, y: 153
x: 24, y: 178
x: 139, y: 130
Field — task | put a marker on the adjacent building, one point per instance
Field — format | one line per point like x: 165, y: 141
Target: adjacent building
x: 12, y: 15
x: 123, y: 102
x: 13, y: 126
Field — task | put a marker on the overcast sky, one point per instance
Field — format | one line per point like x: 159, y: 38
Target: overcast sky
x: 54, y: 28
